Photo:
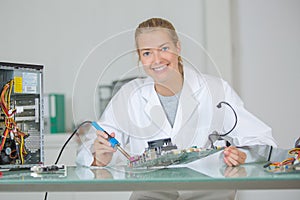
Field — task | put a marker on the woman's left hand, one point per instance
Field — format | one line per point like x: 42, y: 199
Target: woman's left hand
x: 233, y: 156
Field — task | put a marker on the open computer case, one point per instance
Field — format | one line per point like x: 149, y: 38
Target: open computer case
x: 21, y: 115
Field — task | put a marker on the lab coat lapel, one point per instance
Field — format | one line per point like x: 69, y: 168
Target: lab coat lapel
x: 188, y: 105
x: 154, y: 109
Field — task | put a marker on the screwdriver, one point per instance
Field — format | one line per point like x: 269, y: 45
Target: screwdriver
x: 113, y: 141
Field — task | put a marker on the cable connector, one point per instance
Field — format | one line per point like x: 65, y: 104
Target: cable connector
x: 39, y: 169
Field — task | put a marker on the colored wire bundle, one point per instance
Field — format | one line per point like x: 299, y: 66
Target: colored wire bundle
x: 287, y: 164
x: 11, y: 128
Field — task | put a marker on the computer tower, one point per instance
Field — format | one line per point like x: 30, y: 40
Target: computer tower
x: 21, y: 115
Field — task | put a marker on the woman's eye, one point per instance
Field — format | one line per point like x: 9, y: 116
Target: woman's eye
x: 165, y: 48
x: 147, y: 53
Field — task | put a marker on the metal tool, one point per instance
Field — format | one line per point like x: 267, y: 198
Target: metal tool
x: 113, y: 141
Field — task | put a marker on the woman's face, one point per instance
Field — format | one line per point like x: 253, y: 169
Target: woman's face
x: 159, y: 55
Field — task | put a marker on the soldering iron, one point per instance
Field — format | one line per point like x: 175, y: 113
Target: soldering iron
x: 113, y: 141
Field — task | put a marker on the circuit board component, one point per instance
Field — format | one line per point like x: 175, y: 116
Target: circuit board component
x: 163, y: 153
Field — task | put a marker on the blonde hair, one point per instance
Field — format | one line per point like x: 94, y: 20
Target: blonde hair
x: 156, y: 24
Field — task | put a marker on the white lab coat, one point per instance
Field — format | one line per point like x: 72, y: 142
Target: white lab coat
x: 136, y: 116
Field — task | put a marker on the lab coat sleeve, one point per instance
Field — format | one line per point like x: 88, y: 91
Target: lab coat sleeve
x: 85, y: 151
x: 250, y: 130
x: 85, y: 155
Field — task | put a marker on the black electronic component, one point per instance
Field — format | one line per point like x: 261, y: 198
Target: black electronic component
x: 161, y: 145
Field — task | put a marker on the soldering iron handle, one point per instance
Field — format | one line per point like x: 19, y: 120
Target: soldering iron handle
x: 113, y: 141
x: 96, y: 126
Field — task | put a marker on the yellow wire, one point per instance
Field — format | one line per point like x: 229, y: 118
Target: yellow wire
x: 294, y: 150
x: 10, y: 120
x: 5, y: 94
x: 287, y: 161
x: 11, y: 83
x: 21, y: 149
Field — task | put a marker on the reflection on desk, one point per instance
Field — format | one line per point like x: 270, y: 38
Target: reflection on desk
x: 121, y: 178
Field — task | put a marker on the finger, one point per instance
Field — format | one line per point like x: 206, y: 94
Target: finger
x: 232, y: 161
x: 232, y: 150
x: 235, y: 154
x: 227, y: 171
x: 227, y: 162
x: 231, y: 153
x: 102, y: 134
x: 238, y: 155
x: 233, y: 172
x: 104, y: 148
x: 230, y: 171
x: 102, y: 140
x: 99, y: 145
x: 228, y: 151
x: 226, y: 154
x: 105, y: 151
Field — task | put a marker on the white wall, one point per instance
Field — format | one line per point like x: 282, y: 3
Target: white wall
x: 76, y: 41
x: 266, y: 69
x: 218, y: 38
x: 266, y: 37
x: 62, y: 34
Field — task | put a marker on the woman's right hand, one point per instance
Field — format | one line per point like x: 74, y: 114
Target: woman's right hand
x: 103, y: 151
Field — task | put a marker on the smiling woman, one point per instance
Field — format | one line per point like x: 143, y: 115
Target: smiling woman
x: 159, y: 47
x: 159, y: 55
x: 173, y: 101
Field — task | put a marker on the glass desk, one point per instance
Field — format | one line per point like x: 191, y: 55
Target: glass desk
x: 248, y: 176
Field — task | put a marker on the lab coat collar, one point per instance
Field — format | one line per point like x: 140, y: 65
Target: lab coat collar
x: 192, y: 81
x: 188, y: 103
